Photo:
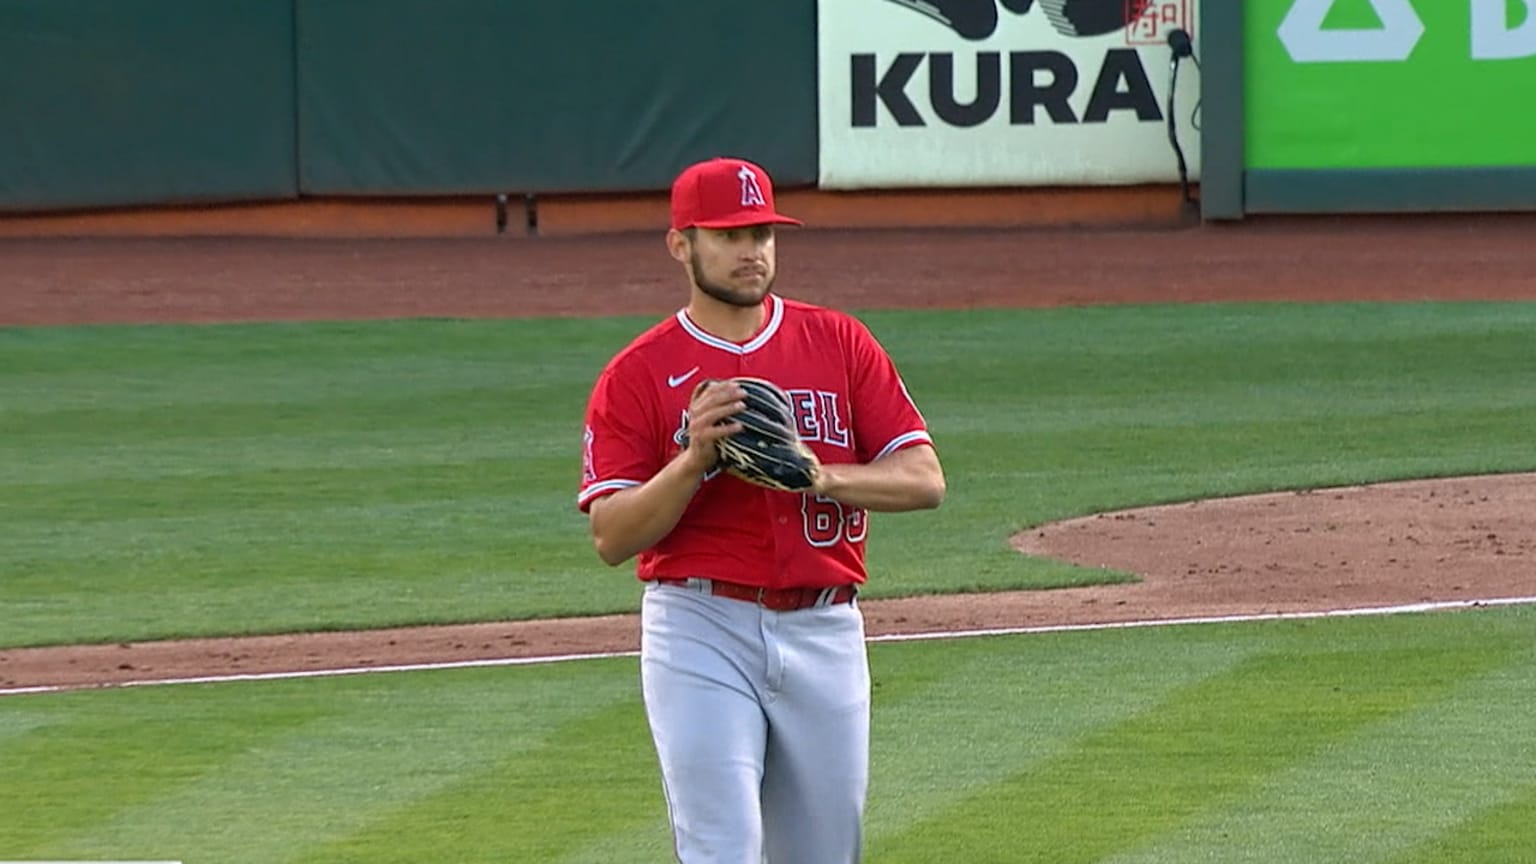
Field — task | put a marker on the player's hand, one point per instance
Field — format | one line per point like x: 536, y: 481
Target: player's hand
x: 709, y: 413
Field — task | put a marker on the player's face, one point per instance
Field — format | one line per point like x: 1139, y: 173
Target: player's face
x: 733, y: 265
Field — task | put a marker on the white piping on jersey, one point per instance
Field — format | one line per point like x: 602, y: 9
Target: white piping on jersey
x: 902, y: 440
x: 775, y: 316
x: 606, y: 486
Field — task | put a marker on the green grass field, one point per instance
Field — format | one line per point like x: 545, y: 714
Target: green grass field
x: 159, y: 481
x: 1403, y: 739
x: 172, y: 481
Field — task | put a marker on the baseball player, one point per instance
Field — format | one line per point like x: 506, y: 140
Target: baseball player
x: 753, y: 665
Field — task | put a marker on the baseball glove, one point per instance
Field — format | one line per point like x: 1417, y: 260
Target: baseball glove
x: 767, y: 450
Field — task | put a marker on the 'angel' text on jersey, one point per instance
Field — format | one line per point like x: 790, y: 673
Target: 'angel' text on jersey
x: 817, y: 418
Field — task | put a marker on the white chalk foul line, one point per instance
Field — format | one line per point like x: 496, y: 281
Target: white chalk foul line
x: 1437, y: 606
x: 321, y: 673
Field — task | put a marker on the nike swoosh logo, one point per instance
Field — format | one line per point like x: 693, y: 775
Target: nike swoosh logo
x: 674, y: 380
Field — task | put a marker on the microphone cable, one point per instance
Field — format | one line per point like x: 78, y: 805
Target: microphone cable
x: 1182, y: 47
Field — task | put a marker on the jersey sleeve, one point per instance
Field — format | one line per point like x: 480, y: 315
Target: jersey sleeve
x: 618, y: 440
x: 885, y: 419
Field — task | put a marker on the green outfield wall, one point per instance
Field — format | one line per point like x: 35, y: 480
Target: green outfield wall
x: 110, y: 103
x: 411, y: 96
x: 105, y: 102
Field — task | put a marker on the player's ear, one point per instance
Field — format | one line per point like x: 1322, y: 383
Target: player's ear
x: 678, y: 245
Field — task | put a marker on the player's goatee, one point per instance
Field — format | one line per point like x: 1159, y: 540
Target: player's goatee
x: 743, y: 297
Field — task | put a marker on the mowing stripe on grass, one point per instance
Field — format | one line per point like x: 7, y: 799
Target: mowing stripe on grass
x: 1207, y: 748
x: 82, y: 772
x: 378, y: 751
x: 1410, y: 608
x: 1013, y: 703
x: 1397, y: 784
x: 1496, y: 835
x: 528, y: 805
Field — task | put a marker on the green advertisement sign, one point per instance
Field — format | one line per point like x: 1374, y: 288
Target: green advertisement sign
x: 1390, y: 83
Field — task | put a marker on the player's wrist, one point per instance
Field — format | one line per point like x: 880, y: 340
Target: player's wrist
x: 697, y: 460
x: 826, y: 482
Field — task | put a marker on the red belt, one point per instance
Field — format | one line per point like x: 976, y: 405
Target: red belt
x: 777, y: 599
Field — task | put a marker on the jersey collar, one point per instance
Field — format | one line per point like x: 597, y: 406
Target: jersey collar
x: 775, y: 316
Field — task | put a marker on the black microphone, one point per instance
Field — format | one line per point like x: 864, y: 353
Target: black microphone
x: 1178, y: 40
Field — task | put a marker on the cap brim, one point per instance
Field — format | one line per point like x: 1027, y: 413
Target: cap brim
x: 746, y: 220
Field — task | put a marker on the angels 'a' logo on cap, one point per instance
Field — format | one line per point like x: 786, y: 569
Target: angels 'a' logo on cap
x: 751, y: 194
x: 724, y: 192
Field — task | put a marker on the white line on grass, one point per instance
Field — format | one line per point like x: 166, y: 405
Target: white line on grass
x: 894, y: 637
x: 1436, y: 606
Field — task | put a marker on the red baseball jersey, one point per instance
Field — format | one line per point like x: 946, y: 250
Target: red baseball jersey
x: 850, y: 406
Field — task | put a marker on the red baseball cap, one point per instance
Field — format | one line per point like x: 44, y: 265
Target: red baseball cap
x: 724, y: 193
